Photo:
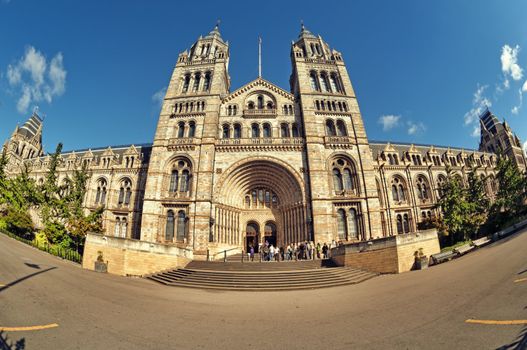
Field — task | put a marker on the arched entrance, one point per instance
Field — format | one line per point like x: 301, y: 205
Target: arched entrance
x: 260, y: 199
x: 270, y: 233
x: 252, y: 233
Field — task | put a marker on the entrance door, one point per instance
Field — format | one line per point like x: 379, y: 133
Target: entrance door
x: 251, y: 236
x: 270, y: 233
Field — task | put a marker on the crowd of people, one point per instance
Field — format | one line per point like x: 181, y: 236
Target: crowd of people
x: 307, y: 250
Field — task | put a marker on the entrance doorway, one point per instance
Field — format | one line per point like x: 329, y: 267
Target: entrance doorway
x: 252, y: 233
x: 270, y: 233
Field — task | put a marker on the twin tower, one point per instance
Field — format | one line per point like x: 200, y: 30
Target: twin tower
x: 233, y: 169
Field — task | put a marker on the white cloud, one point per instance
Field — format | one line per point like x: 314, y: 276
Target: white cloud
x: 515, y: 110
x: 509, y: 62
x: 158, y: 97
x: 35, y: 80
x: 524, y: 87
x: 479, y: 103
x: 476, y: 131
x: 415, y: 128
x: 389, y: 121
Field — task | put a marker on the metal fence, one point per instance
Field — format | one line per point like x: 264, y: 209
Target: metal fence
x: 64, y: 253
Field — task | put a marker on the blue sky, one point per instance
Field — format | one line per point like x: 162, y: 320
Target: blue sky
x: 421, y: 69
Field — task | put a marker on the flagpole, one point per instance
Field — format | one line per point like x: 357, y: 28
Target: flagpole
x: 259, y: 56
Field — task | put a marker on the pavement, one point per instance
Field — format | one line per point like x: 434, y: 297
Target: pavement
x: 49, y: 303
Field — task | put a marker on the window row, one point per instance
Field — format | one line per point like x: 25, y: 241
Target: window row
x: 335, y: 106
x: 403, y: 223
x: 288, y: 109
x: 197, y: 82
x: 436, y: 160
x: 261, y: 103
x: 339, y: 130
x: 176, y: 224
x: 259, y: 198
x: 125, y: 192
x: 188, y: 107
x: 325, y: 82
x: 399, y: 191
x: 232, y: 110
x: 186, y: 129
x: 265, y: 130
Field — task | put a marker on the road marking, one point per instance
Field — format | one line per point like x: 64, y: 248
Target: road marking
x: 29, y: 328
x: 520, y: 280
x: 505, y: 322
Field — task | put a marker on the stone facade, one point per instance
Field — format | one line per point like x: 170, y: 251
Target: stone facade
x: 229, y: 169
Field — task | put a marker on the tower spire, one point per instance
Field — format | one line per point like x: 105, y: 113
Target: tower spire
x: 259, y: 56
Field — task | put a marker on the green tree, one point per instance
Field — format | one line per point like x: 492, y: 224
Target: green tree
x: 454, y: 207
x: 478, y: 204
x: 510, y: 199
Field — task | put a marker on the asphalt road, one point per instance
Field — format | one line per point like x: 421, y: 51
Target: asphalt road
x: 423, y: 309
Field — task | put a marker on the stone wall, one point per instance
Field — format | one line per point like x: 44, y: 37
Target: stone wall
x: 393, y: 254
x: 129, y: 257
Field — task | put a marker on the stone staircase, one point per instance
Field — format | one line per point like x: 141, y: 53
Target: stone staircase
x: 265, y: 276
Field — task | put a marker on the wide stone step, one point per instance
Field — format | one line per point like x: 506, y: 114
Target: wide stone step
x: 262, y: 280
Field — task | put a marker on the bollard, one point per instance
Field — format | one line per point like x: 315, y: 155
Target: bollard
x: 224, y: 256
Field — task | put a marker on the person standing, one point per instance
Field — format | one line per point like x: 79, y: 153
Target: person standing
x: 251, y: 253
x: 318, y: 250
x: 271, y: 252
x: 325, y: 250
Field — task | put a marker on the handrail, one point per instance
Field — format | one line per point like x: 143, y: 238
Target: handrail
x: 224, y: 252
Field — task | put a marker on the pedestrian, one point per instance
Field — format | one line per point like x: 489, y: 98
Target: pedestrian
x: 312, y: 246
x: 251, y: 253
x: 271, y: 252
x: 318, y: 250
x: 265, y: 252
x: 325, y: 250
x: 308, y: 250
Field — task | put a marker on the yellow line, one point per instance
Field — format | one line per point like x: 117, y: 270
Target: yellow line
x: 506, y: 322
x: 29, y: 328
x: 520, y: 280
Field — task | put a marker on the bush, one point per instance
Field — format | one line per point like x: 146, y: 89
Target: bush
x: 19, y: 223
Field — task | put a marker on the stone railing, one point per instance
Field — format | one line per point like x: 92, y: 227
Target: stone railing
x: 262, y: 141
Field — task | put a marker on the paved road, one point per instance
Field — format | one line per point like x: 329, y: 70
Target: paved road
x: 424, y: 309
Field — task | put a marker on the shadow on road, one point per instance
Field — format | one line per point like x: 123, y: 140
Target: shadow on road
x: 520, y: 343
x: 34, y: 266
x: 4, y: 345
x: 25, y: 278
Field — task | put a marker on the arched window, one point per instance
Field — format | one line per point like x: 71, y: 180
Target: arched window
x: 260, y: 102
x: 226, y: 131
x: 441, y: 181
x: 169, y: 230
x: 185, y: 180
x: 174, y: 180
x: 312, y: 49
x: 117, y: 229
x: 347, y: 174
x: 335, y: 86
x: 352, y: 220
x: 266, y: 130
x: 324, y: 82
x: 330, y: 128
x: 124, y: 227
x: 284, y: 130
x: 197, y: 79
x: 191, y: 129
x: 125, y: 192
x: 100, y: 197
x: 406, y: 223
x: 399, y: 224
x: 342, y: 228
x: 186, y: 83
x: 181, y: 130
x: 237, y: 131
x: 337, y: 180
x: 255, y: 130
x: 317, y: 46
x: 314, y: 81
x: 398, y: 190
x: 341, y: 128
x: 234, y: 110
x: 229, y: 110
x: 317, y: 105
x: 295, y: 130
x: 269, y: 105
x: 247, y: 202
x: 348, y: 182
x: 422, y: 188
x: 250, y: 105
x: 181, y: 226
x: 390, y: 159
x: 206, y: 83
